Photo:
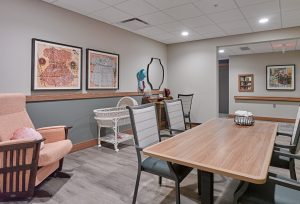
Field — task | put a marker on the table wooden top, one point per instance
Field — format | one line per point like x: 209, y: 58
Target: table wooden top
x: 220, y: 146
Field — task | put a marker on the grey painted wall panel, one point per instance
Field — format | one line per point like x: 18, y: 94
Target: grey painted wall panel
x: 76, y: 113
x: 224, y: 90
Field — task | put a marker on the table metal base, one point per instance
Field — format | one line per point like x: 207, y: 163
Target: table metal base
x: 206, y: 186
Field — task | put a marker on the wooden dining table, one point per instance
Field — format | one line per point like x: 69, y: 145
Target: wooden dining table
x: 219, y: 146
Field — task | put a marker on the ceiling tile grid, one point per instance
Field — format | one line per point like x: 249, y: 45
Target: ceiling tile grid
x: 203, y: 19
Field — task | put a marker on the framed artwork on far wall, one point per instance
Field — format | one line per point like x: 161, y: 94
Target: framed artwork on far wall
x: 55, y: 66
x: 102, y: 70
x: 280, y: 77
x: 246, y: 82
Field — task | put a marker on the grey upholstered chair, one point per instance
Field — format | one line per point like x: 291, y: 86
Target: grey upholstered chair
x: 277, y: 189
x: 187, y: 105
x: 175, y: 116
x: 146, y: 133
x: 294, y: 147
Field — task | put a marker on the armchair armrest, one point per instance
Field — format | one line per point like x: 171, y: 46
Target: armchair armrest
x: 283, y: 181
x: 286, y: 154
x: 290, y: 147
x: 284, y: 134
x: 54, y: 133
x: 176, y: 130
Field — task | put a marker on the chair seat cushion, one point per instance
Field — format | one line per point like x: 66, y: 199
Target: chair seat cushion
x: 161, y: 168
x: 54, y: 151
x: 280, y: 161
x: 270, y: 193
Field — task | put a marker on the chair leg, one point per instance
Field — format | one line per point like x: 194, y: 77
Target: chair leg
x: 177, y: 185
x: 159, y: 180
x: 190, y: 121
x: 136, y: 186
x: 292, y: 170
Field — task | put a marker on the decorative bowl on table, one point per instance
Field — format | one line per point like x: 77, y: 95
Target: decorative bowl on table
x: 243, y: 118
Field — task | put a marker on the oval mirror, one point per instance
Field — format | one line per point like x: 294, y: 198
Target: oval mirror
x: 155, y: 73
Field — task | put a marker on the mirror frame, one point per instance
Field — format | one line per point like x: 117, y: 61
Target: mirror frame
x: 163, y: 76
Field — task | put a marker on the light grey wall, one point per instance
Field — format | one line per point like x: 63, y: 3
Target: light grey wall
x: 192, y: 68
x: 76, y: 113
x: 256, y: 64
x: 22, y: 20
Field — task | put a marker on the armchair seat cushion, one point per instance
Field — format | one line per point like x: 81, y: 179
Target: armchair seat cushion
x: 161, y: 168
x: 270, y: 193
x: 54, y: 151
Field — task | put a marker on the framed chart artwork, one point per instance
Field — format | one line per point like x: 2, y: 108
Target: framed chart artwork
x: 280, y: 77
x: 102, y: 70
x: 55, y: 66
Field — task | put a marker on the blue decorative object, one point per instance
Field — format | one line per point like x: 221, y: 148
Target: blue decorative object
x: 141, y: 76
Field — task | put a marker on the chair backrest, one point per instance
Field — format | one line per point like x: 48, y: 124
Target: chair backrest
x: 186, y: 102
x: 127, y: 101
x: 144, y: 124
x: 174, y: 113
x: 296, y: 133
x: 13, y: 115
x: 18, y: 168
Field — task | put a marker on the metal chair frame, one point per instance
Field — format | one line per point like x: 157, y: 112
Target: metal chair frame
x: 187, y: 115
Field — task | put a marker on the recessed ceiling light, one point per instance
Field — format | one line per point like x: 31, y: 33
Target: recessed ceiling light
x: 221, y: 51
x: 185, y: 33
x: 263, y: 20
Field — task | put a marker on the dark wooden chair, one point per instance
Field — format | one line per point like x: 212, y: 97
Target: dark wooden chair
x: 18, y: 168
x: 187, y: 105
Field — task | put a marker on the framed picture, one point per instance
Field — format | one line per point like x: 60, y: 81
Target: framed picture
x: 102, y: 70
x: 280, y: 77
x: 246, y: 83
x: 55, y: 66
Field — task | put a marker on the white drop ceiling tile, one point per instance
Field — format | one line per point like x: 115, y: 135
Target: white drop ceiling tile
x: 197, y: 22
x: 174, y: 26
x: 49, y: 1
x: 261, y: 47
x: 165, y: 4
x: 136, y: 7
x: 274, y: 23
x: 183, y: 12
x: 157, y: 18
x: 243, y: 3
x: 225, y: 16
x: 261, y: 10
x: 234, y: 25
x: 214, y: 35
x: 287, y: 5
x: 83, y: 7
x: 291, y: 18
x: 209, y: 6
x: 208, y: 29
x: 113, y: 2
x: 111, y: 14
x: 152, y: 31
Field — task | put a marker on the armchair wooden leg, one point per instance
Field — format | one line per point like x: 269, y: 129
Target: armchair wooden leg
x: 159, y: 180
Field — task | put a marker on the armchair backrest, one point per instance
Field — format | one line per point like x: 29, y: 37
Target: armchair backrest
x: 174, y: 113
x: 186, y: 102
x: 296, y: 133
x: 144, y: 124
x: 13, y: 115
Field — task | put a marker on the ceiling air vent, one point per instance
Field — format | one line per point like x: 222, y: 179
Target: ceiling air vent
x: 244, y: 48
x: 134, y: 23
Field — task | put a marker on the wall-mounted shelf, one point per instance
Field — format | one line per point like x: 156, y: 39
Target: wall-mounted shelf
x: 267, y: 98
x: 80, y: 96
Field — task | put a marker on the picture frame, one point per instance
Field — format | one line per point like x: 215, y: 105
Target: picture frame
x: 246, y: 82
x: 55, y: 66
x: 280, y: 77
x: 102, y: 70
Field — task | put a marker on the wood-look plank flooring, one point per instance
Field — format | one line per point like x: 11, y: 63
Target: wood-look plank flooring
x: 102, y: 176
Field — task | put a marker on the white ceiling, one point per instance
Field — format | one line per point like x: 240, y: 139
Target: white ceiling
x: 201, y: 18
x: 265, y: 47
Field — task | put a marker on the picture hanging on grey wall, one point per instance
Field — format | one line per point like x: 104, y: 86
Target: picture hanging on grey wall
x: 102, y: 70
x: 281, y: 77
x: 55, y: 66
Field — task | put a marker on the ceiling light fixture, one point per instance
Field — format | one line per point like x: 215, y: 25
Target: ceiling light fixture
x: 263, y: 20
x: 221, y: 51
x: 185, y: 33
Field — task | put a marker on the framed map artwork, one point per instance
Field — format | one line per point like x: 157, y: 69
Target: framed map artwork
x: 102, y: 70
x: 55, y: 66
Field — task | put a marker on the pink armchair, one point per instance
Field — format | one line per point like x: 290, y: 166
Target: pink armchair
x: 48, y: 160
